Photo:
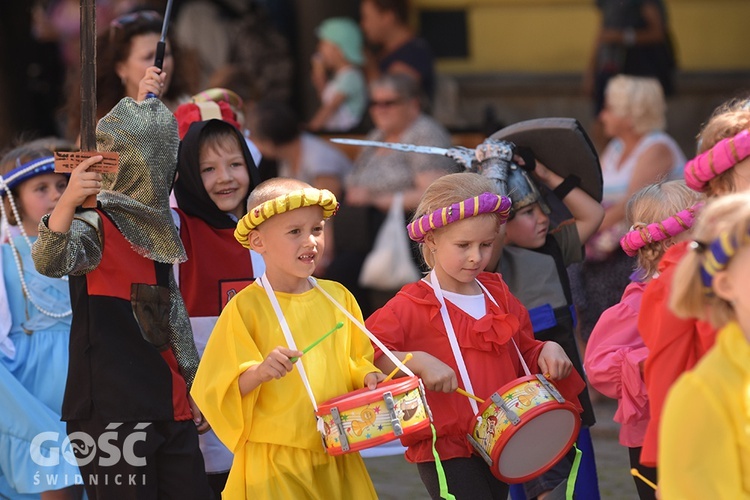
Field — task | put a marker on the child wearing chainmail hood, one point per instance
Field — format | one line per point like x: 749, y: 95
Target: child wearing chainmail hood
x: 132, y: 355
x: 35, y: 319
x: 259, y: 409
x: 661, y: 216
x: 457, y: 224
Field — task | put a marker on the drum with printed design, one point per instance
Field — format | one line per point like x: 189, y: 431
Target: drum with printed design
x: 524, y: 428
x: 364, y: 418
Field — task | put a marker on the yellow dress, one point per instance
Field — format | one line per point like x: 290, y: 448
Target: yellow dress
x: 704, y: 439
x: 278, y: 451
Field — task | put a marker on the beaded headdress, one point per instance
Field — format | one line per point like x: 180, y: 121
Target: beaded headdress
x: 10, y: 180
x: 25, y: 172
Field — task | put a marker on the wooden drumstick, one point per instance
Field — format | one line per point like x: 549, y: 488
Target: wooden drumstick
x: 395, y: 370
x: 637, y: 474
x: 469, y: 395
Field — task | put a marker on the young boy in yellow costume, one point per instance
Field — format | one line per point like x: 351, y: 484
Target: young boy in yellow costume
x: 258, y: 401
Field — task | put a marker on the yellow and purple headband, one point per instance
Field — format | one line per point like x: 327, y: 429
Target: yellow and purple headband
x: 716, y: 255
x: 485, y: 203
x: 292, y: 200
x: 636, y: 239
x: 710, y: 164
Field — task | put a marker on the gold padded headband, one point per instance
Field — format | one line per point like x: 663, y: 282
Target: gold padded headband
x: 292, y: 200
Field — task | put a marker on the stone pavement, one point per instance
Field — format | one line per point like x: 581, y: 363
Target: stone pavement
x: 394, y: 478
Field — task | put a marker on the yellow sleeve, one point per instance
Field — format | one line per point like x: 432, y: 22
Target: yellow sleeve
x: 229, y: 352
x: 361, y: 353
x: 698, y: 451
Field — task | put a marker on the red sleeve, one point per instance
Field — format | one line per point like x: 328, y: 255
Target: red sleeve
x: 387, y: 327
x: 675, y: 345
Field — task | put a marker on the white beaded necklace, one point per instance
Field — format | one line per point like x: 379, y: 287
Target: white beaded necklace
x: 17, y: 255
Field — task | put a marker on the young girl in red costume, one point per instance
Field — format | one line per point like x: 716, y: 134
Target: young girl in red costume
x: 676, y: 344
x: 660, y: 214
x: 215, y: 174
x: 482, y: 319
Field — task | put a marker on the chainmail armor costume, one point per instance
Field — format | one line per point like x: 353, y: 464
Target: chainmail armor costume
x: 136, y: 197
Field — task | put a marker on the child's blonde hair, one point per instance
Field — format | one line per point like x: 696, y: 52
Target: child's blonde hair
x: 727, y: 120
x: 273, y: 188
x: 654, y: 203
x: 728, y: 214
x: 450, y: 189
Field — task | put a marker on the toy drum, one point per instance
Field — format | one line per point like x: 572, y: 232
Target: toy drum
x: 364, y: 418
x: 524, y: 428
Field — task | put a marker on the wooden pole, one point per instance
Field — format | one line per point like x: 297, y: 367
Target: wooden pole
x: 88, y: 75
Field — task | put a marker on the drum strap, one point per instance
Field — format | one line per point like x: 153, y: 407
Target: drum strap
x: 287, y: 335
x: 401, y: 366
x: 463, y: 373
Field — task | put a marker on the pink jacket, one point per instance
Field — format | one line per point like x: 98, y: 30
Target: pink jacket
x: 613, y: 354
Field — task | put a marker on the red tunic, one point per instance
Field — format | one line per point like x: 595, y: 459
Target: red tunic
x: 675, y: 345
x: 218, y: 266
x: 115, y: 373
x: 411, y: 321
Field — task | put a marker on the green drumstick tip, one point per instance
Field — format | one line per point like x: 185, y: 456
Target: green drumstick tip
x: 304, y: 351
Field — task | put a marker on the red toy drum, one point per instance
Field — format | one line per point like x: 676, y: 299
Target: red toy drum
x: 524, y: 428
x: 364, y: 418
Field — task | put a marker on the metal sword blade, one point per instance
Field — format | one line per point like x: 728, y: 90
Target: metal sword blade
x: 393, y: 145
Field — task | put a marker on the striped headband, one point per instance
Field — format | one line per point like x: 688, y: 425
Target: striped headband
x: 292, y: 200
x: 716, y: 256
x: 485, y: 203
x: 710, y: 164
x: 636, y: 239
x: 27, y: 171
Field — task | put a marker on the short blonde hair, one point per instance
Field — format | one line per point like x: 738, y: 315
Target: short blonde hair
x: 273, y: 188
x: 450, y: 189
x: 727, y: 120
x: 652, y: 204
x: 639, y: 98
x: 730, y: 213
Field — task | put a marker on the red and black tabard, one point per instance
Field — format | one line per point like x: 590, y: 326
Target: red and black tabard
x: 217, y: 268
x: 114, y: 372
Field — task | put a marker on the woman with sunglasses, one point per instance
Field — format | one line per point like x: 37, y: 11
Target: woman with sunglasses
x: 381, y: 173
x: 124, y: 52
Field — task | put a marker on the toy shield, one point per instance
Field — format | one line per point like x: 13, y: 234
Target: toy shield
x: 562, y: 145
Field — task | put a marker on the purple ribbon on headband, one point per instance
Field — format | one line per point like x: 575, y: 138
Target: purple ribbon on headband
x: 485, y: 203
x: 658, y: 231
x: 724, y: 155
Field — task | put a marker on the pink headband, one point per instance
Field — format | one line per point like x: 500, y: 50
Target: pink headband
x: 724, y: 155
x: 485, y: 203
x: 658, y: 231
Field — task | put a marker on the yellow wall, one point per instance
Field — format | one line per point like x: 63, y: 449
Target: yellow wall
x: 557, y: 35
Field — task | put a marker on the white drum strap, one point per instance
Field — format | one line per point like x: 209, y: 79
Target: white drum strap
x: 523, y: 361
x: 401, y: 366
x: 462, y: 372
x: 287, y: 335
